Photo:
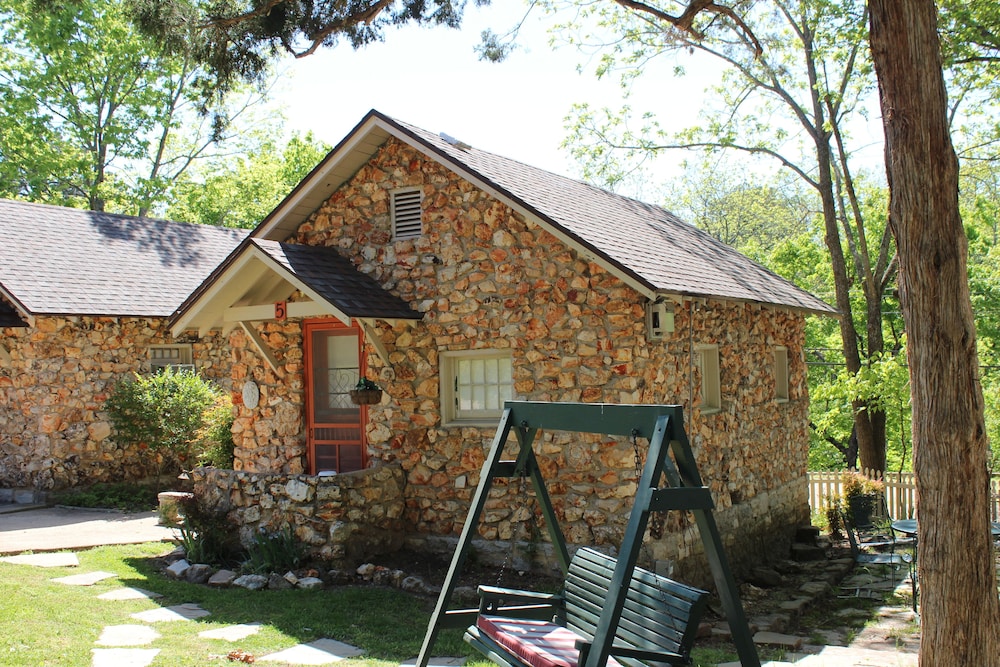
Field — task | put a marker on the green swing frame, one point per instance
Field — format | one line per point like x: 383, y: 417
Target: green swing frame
x: 663, y: 427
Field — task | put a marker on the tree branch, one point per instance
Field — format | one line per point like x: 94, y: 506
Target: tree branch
x: 685, y: 22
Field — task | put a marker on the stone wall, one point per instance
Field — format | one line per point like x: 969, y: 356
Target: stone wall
x: 54, y: 433
x: 485, y: 277
x: 340, y: 518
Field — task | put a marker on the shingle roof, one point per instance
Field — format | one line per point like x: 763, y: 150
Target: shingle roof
x: 56, y: 260
x: 644, y: 240
x: 644, y: 244
x: 335, y: 278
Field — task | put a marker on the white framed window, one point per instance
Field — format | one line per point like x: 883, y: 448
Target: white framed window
x: 406, y: 210
x: 781, y: 373
x: 710, y: 388
x: 474, y: 386
x: 177, y: 357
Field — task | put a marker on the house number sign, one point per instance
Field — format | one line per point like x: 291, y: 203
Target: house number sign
x: 251, y: 394
x: 280, y: 311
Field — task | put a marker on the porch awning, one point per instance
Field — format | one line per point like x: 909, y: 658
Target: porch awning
x: 256, y: 281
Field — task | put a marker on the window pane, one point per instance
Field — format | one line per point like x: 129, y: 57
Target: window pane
x: 481, y: 384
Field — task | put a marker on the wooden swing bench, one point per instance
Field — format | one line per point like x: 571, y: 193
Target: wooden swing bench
x: 610, y: 612
x: 658, y: 623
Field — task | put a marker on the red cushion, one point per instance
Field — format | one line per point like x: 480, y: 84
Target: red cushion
x: 538, y: 643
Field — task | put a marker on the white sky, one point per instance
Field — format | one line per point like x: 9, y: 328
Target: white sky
x: 431, y: 78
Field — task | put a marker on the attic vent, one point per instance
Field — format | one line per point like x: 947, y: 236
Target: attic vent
x: 406, y: 212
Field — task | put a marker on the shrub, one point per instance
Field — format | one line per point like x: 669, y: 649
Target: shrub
x: 214, y: 440
x: 161, y: 412
x: 207, y: 535
x: 127, y: 497
x: 274, y: 552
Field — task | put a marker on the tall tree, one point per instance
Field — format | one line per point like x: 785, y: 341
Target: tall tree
x: 960, y: 609
x: 240, y: 191
x: 95, y: 114
x: 798, y: 64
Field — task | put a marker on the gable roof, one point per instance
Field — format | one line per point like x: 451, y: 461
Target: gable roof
x: 336, y: 280
x: 260, y: 272
x: 64, y: 261
x: 645, y: 245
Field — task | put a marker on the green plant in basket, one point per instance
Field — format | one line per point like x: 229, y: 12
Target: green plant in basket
x: 364, y: 384
x: 862, y: 495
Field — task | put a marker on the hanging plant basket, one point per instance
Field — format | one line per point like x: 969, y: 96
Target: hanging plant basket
x: 366, y: 396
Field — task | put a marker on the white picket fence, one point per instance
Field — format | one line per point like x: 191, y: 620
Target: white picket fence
x: 900, y: 491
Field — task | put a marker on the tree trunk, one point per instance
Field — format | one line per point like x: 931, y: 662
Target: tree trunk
x: 870, y: 447
x: 960, y: 612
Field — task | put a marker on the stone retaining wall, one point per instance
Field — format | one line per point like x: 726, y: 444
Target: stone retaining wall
x: 340, y: 518
x: 54, y: 433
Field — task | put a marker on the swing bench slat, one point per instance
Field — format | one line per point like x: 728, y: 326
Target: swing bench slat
x: 658, y: 625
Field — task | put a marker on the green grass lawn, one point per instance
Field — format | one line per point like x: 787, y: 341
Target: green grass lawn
x: 48, y: 623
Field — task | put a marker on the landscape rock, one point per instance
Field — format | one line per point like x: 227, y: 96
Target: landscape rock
x: 251, y: 582
x: 276, y: 582
x: 178, y: 568
x: 199, y: 573
x: 339, y: 577
x: 765, y: 577
x: 310, y: 583
x: 222, y: 579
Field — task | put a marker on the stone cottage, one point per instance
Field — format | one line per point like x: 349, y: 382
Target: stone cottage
x: 457, y: 279
x: 84, y: 302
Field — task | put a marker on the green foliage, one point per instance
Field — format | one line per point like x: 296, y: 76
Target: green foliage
x: 855, y: 484
x: 364, y: 384
x: 161, y: 411
x: 207, y: 535
x: 121, y: 496
x: 214, y: 440
x: 274, y: 552
x: 241, y: 39
x: 96, y: 115
x: 235, y: 191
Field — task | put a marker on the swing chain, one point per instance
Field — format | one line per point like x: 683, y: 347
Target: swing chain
x: 638, y: 457
x: 656, y: 520
x: 522, y: 494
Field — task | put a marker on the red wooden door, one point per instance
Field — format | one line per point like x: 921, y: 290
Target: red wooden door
x: 335, y: 426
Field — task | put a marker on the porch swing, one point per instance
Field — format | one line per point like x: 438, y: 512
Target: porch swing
x: 610, y: 612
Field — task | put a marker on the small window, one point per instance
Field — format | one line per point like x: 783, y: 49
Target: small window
x: 406, y: 213
x: 178, y: 357
x: 710, y: 390
x: 474, y: 385
x: 781, y: 373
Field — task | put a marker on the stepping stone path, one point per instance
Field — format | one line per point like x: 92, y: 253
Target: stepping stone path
x: 319, y: 652
x: 128, y: 594
x: 85, y: 579
x: 127, y: 635
x: 61, y: 559
x: 121, y: 637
